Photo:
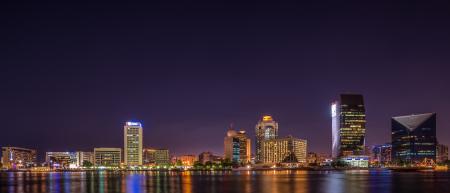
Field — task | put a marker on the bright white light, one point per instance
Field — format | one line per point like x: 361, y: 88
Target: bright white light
x: 333, y: 110
x: 133, y: 124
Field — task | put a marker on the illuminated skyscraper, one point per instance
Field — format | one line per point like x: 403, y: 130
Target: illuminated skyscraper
x: 266, y: 129
x: 237, y: 146
x: 133, y: 143
x: 348, y: 126
x: 414, y: 138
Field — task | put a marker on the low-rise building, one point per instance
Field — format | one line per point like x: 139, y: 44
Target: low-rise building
x: 18, y: 158
x: 107, y: 157
x: 156, y: 156
x: 441, y: 153
x: 85, y: 158
x: 186, y: 160
x: 61, y: 159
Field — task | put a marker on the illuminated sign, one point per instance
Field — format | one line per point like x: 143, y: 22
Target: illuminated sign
x: 333, y: 110
x: 133, y: 124
x: 267, y: 118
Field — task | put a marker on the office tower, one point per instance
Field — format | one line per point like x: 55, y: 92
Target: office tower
x: 237, y: 146
x: 84, y: 157
x: 381, y: 154
x: 266, y: 129
x: 284, y: 150
x: 18, y: 158
x: 441, y: 153
x: 107, y: 157
x: 61, y: 159
x: 348, y: 126
x: 156, y: 156
x: 414, y: 139
x: 133, y: 143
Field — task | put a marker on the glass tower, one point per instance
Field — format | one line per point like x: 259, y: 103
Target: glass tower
x: 237, y: 146
x: 414, y: 138
x: 348, y: 126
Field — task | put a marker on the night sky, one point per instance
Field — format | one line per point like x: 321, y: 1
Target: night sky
x: 72, y: 74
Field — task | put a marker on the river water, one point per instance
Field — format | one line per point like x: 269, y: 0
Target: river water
x: 374, y: 181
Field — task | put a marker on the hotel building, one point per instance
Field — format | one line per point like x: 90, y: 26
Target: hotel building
x: 18, y: 158
x: 284, y: 150
x: 265, y: 129
x: 133, y: 143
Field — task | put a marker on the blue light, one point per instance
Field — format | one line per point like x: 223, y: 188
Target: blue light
x: 133, y: 123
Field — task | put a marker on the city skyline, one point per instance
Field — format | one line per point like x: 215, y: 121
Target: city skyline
x: 72, y: 74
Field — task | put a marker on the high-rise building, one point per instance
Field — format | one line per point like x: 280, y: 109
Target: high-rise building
x: 133, y: 143
x: 85, y: 157
x: 348, y: 126
x: 156, y: 156
x: 107, y: 157
x: 284, y: 150
x: 414, y: 139
x: 61, y: 159
x: 441, y: 153
x: 265, y: 129
x: 18, y: 158
x: 237, y: 146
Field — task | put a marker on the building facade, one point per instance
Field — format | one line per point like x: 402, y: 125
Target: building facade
x: 414, y: 139
x: 133, y: 143
x: 348, y: 126
x: 237, y: 147
x: 284, y: 150
x: 186, y: 160
x: 381, y: 154
x: 156, y: 156
x: 441, y: 153
x: 18, y: 158
x: 107, y: 157
x: 85, y: 158
x: 265, y: 129
x: 61, y: 159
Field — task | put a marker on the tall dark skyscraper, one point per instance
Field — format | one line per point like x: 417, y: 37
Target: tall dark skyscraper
x: 348, y: 125
x: 414, y: 138
x: 266, y: 129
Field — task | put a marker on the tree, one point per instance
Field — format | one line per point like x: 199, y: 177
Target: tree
x: 227, y: 164
x: 198, y: 165
x: 87, y: 164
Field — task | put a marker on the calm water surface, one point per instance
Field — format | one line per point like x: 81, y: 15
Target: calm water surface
x: 232, y: 182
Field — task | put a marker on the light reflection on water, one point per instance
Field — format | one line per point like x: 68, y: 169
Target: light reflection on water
x: 213, y: 181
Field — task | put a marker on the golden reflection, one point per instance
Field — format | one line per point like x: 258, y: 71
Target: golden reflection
x: 186, y: 181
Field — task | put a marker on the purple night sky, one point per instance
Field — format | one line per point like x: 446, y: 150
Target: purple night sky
x: 72, y: 74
